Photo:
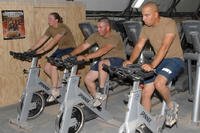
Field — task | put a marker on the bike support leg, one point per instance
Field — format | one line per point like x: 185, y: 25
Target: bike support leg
x: 196, y: 104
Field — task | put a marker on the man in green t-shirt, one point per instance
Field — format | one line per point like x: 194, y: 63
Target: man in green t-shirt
x: 111, y: 51
x: 168, y: 61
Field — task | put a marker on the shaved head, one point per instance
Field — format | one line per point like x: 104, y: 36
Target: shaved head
x: 151, y: 5
x: 150, y: 13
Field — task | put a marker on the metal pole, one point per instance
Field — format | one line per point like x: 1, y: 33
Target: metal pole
x: 196, y: 110
x: 196, y: 104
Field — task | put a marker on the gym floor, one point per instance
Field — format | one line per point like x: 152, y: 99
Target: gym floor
x: 45, y: 123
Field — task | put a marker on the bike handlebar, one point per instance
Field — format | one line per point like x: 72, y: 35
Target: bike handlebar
x: 134, y: 72
x: 67, y: 63
x: 24, y: 56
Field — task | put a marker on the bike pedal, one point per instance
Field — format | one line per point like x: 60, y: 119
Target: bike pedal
x: 190, y: 99
x: 125, y: 102
x: 111, y: 89
x: 64, y: 81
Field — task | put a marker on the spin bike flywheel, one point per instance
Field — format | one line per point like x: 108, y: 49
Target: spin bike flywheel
x: 39, y: 102
x: 77, y: 114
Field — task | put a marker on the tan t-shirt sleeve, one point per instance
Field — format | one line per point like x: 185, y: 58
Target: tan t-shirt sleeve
x: 142, y: 33
x: 171, y: 27
x: 62, y: 31
x: 91, y: 39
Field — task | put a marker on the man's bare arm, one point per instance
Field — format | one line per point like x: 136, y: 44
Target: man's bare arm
x: 82, y: 47
x: 100, y: 52
x: 137, y: 49
x: 167, y: 41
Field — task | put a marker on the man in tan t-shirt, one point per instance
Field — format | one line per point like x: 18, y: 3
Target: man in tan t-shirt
x: 111, y: 51
x: 168, y: 61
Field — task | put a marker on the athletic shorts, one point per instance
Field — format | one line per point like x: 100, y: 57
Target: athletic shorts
x: 114, y: 61
x: 61, y: 52
x: 169, y: 68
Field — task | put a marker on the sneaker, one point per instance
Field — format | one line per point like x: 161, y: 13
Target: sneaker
x: 54, y: 95
x: 100, y: 96
x: 172, y: 115
x: 98, y: 99
x: 96, y: 103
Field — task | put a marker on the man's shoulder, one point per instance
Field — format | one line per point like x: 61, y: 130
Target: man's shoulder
x: 95, y: 34
x: 115, y: 33
x: 167, y: 20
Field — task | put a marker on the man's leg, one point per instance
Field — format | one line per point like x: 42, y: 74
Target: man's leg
x: 172, y: 110
x: 161, y: 86
x: 113, y: 61
x: 89, y: 80
x: 167, y: 71
x: 102, y: 74
x: 147, y: 92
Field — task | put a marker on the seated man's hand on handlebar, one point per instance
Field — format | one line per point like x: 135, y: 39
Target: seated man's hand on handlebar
x: 83, y: 58
x: 65, y: 56
x: 147, y: 67
x: 127, y: 62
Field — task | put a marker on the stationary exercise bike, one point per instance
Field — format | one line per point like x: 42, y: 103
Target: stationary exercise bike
x: 32, y: 101
x: 137, y: 119
x: 72, y: 115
